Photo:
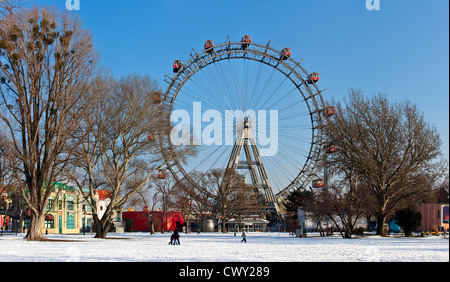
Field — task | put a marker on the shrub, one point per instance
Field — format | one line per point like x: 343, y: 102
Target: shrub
x: 129, y: 224
x: 359, y: 231
x: 409, y: 220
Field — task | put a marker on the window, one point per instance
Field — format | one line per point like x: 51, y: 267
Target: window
x: 49, y: 223
x: 86, y: 207
x: 70, y: 219
x: 60, y: 202
x: 70, y: 203
x: 51, y: 200
x: 26, y: 222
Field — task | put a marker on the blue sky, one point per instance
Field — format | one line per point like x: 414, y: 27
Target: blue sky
x: 402, y: 50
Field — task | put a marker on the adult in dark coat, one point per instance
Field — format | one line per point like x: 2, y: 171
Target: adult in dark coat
x: 176, y: 237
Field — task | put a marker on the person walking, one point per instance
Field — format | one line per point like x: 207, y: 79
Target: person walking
x: 244, y: 237
x: 176, y: 237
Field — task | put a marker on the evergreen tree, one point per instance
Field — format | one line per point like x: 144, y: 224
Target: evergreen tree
x: 408, y: 219
x: 298, y: 198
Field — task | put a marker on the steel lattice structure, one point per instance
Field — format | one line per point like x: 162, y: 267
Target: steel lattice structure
x: 264, y: 54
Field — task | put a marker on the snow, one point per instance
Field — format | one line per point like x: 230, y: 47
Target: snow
x: 223, y: 247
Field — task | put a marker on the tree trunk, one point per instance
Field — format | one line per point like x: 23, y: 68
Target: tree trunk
x: 380, y: 225
x: 186, y: 220
x: 349, y: 226
x: 163, y: 226
x: 224, y: 230
x: 102, y: 228
x: 152, y: 227
x: 35, y: 230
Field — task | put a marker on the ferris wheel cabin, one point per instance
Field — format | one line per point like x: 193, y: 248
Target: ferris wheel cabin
x: 329, y: 111
x: 331, y: 148
x: 317, y: 183
x: 162, y: 174
x: 245, y: 41
x: 285, y: 53
x: 177, y: 65
x: 151, y: 136
x: 157, y: 98
x: 209, y: 46
x: 313, y: 78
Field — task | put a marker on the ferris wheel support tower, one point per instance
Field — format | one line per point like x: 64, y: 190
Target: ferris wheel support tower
x: 254, y: 164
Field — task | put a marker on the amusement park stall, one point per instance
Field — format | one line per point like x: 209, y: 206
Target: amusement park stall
x: 141, y: 220
x: 433, y: 214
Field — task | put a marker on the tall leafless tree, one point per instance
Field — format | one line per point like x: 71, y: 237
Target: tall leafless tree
x: 165, y: 193
x: 227, y: 195
x: 46, y: 60
x: 387, y: 144
x: 118, y: 144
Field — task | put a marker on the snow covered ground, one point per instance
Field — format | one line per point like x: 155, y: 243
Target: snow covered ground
x: 218, y: 247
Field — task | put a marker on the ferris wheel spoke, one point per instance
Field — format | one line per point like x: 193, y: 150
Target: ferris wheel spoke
x: 273, y: 93
x: 208, y: 158
x: 215, y: 92
x: 282, y: 98
x: 225, y: 81
x: 256, y: 86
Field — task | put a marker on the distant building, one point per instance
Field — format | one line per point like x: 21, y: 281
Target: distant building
x: 433, y: 214
x: 103, y: 199
x: 64, y: 211
x: 68, y: 211
x: 140, y: 220
x: 248, y: 224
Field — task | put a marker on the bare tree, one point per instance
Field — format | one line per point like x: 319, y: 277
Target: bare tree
x: 165, y: 193
x: 6, y: 173
x: 9, y: 7
x: 227, y: 195
x: 201, y: 201
x: 387, y: 144
x: 183, y: 199
x: 118, y: 141
x: 46, y: 60
x: 145, y: 199
x: 346, y: 200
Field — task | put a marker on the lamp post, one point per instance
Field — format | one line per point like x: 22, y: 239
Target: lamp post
x: 84, y: 222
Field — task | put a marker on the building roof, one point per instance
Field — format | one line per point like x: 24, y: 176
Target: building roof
x: 103, y: 194
x: 250, y: 220
x: 3, y: 192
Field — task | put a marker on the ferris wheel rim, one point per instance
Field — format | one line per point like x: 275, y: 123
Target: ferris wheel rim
x: 271, y: 57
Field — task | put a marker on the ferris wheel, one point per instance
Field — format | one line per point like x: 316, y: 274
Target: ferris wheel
x: 248, y: 107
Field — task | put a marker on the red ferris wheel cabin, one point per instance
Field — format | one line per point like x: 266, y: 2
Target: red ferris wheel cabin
x: 285, y: 53
x: 317, y: 183
x: 209, y: 46
x: 162, y: 174
x: 177, y: 65
x: 313, y: 78
x: 246, y: 40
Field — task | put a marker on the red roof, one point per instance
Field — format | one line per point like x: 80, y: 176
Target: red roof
x: 103, y: 194
x: 3, y: 192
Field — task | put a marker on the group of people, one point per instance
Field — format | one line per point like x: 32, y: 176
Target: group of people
x: 175, y: 238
